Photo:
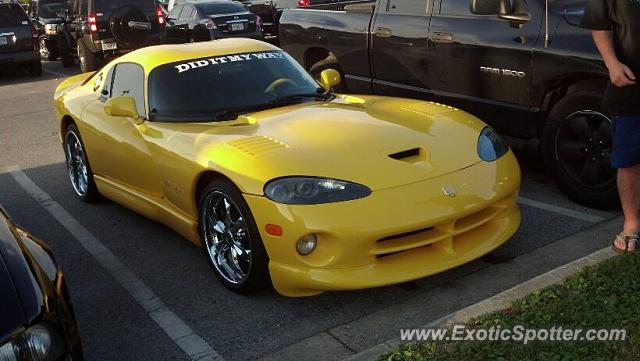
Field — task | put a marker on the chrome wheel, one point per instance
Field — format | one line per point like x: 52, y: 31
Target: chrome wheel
x: 226, y: 237
x: 76, y: 164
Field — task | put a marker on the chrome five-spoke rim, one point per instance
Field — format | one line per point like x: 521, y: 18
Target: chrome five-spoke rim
x: 226, y: 237
x: 77, y: 164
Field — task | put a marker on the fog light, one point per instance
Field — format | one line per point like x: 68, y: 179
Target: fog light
x: 307, y: 244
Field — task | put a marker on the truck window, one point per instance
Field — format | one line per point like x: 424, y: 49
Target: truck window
x: 455, y: 7
x: 408, y: 7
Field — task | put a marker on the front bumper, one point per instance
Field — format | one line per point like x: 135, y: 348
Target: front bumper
x: 395, y: 235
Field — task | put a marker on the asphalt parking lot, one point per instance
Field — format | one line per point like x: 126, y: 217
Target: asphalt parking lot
x: 114, y: 325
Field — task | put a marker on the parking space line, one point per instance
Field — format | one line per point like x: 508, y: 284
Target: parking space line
x: 561, y: 210
x: 56, y: 73
x: 191, y: 343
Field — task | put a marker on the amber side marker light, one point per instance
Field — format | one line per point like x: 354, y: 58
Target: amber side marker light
x: 274, y: 230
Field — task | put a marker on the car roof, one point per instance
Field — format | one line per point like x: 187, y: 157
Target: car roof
x: 154, y: 56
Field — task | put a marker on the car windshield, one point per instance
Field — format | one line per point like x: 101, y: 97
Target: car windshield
x: 221, y: 8
x: 12, y: 15
x: 222, y: 87
x: 50, y: 9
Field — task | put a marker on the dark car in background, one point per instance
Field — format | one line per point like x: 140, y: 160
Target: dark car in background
x: 96, y: 30
x: 48, y: 17
x: 525, y: 68
x: 212, y: 19
x: 18, y: 39
x: 36, y: 315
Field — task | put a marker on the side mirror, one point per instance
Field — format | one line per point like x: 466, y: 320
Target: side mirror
x: 123, y: 106
x: 329, y: 78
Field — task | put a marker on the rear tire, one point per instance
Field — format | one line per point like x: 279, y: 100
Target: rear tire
x: 226, y: 244
x: 35, y: 68
x: 576, y: 146
x: 65, y: 52
x: 88, y: 59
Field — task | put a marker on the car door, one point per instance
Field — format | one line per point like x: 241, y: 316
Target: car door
x: 482, y: 63
x: 115, y: 145
x: 399, y: 47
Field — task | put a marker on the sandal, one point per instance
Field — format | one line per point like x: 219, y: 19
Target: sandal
x: 627, y: 240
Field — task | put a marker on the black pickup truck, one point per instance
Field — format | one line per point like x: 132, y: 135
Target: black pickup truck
x: 523, y: 66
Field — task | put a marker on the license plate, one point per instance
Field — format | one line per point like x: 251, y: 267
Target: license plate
x: 237, y: 27
x: 3, y: 40
x: 109, y: 46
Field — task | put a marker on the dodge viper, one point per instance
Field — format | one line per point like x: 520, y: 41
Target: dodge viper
x: 234, y: 146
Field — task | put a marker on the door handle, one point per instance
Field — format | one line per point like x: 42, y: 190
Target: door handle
x: 383, y: 32
x: 442, y: 37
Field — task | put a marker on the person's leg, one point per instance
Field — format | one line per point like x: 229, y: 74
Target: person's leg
x: 629, y: 190
x: 626, y: 157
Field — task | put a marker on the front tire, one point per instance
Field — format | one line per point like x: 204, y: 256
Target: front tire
x: 78, y: 167
x: 577, y: 146
x: 230, y: 239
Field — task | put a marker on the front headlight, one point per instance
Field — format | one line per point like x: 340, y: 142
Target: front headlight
x: 51, y: 29
x: 37, y: 343
x: 311, y: 190
x: 490, y: 145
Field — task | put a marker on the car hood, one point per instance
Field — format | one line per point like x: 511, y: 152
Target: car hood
x: 375, y: 141
x: 11, y: 312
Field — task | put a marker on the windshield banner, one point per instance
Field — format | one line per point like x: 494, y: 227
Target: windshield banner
x: 227, y: 59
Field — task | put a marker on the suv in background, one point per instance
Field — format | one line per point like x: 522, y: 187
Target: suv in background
x: 18, y: 39
x: 96, y: 30
x: 47, y: 15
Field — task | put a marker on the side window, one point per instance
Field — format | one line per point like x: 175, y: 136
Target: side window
x: 189, y: 12
x: 175, y: 12
x: 408, y: 7
x: 128, y: 80
x: 98, y: 81
x: 455, y: 7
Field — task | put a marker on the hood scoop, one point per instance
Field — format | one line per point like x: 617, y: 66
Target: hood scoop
x: 416, y: 156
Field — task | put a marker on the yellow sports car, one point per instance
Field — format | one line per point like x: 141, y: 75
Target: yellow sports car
x: 233, y: 145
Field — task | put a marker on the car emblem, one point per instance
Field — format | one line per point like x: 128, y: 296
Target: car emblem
x: 449, y: 191
x: 236, y: 17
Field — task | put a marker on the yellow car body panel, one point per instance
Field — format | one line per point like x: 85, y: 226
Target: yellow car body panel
x: 155, y: 168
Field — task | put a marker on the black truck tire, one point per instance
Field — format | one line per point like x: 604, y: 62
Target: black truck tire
x: 576, y: 145
x: 325, y: 64
x: 88, y: 59
x: 65, y: 52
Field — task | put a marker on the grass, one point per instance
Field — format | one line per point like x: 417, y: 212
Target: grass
x: 604, y: 296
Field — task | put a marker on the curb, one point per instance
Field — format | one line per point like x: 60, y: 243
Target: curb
x: 495, y: 303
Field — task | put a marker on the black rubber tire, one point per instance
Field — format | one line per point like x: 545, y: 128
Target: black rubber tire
x: 258, y: 278
x: 46, y: 52
x: 322, y: 65
x: 88, y: 59
x: 34, y: 67
x: 92, y: 195
x: 604, y: 197
x: 66, y: 55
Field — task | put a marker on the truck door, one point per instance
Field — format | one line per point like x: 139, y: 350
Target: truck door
x: 399, y: 47
x: 482, y: 63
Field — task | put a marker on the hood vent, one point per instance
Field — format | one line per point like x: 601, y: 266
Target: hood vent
x: 416, y: 156
x: 415, y: 152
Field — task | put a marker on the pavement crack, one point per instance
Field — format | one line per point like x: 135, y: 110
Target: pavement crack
x: 351, y: 349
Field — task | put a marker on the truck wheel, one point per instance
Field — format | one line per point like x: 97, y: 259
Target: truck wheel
x: 577, y: 146
x: 318, y: 67
x: 65, y: 52
x: 88, y: 59
x: 35, y: 68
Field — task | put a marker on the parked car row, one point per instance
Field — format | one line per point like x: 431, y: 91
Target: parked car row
x: 540, y: 85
